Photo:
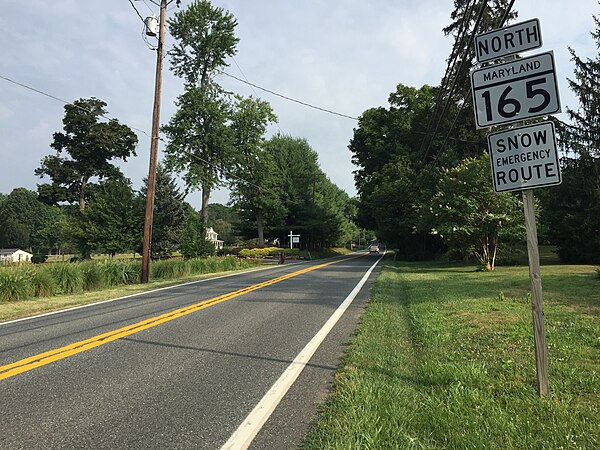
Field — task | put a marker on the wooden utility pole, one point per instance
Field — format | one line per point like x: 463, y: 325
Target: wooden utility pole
x: 153, y: 146
x: 537, y: 300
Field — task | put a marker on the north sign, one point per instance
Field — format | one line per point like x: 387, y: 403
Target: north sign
x: 524, y: 158
x: 506, y: 41
x: 516, y: 90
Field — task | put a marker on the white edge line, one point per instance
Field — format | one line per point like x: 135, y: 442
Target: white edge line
x: 51, y: 313
x: 252, y: 424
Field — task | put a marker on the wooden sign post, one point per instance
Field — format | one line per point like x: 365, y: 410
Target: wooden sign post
x: 537, y: 299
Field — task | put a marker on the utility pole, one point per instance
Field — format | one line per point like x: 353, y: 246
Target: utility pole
x: 153, y: 145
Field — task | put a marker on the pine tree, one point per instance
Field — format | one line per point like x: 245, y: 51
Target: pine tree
x: 571, y: 211
x: 169, y: 214
x: 583, y: 134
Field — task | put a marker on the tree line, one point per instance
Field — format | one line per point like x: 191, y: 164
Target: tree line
x: 424, y: 178
x: 215, y: 138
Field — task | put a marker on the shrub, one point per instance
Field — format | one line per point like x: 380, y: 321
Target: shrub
x: 15, y: 284
x: 39, y: 258
x: 259, y: 252
x: 68, y: 277
x: 292, y: 252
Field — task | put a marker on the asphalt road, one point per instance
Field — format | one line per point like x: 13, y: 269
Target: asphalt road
x: 167, y: 369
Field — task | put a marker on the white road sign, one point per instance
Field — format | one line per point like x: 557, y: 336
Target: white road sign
x: 505, y: 41
x: 515, y: 91
x: 524, y: 158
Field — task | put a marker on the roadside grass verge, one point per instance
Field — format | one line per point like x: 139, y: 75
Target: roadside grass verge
x: 444, y: 358
x: 28, y: 290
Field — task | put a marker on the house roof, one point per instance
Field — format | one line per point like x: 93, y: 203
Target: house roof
x: 10, y: 251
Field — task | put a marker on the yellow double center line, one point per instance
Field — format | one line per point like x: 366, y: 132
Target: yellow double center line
x: 48, y: 357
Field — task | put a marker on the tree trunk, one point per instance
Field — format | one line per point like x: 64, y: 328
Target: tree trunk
x: 259, y: 224
x: 82, y: 194
x: 205, y: 200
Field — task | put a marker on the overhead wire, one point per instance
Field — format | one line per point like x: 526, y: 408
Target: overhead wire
x: 136, y: 10
x: 192, y: 155
x: 288, y: 98
x: 500, y: 25
x: 458, y: 45
x: 460, y: 67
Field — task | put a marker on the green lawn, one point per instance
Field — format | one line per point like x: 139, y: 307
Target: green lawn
x: 444, y: 359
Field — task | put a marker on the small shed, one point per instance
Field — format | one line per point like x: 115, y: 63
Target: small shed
x: 14, y: 255
x: 212, y: 236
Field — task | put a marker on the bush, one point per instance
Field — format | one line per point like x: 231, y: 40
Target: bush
x: 15, y: 284
x: 39, y: 258
x: 292, y: 252
x: 259, y: 252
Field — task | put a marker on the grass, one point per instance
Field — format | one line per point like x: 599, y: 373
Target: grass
x: 444, y: 358
x: 29, y: 289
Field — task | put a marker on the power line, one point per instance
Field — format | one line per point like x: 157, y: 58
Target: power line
x: 501, y: 24
x: 136, y: 10
x: 64, y: 101
x: 289, y: 98
x: 449, y: 99
x: 192, y: 155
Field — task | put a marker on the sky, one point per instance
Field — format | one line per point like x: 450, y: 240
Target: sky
x: 346, y: 56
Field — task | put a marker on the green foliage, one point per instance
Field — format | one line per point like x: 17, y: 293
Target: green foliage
x: 259, y: 252
x: 254, y: 184
x: 205, y: 37
x: 91, y: 145
x: 168, y: 219
x: 42, y: 282
x: 38, y: 258
x: 68, y: 276
x: 470, y: 216
x: 119, y: 272
x: 199, y: 140
x: 15, y: 284
x: 22, y: 217
x: 112, y: 222
x: 94, y: 276
x: 193, y: 242
x: 571, y: 211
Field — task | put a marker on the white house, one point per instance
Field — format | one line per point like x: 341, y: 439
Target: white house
x: 14, y: 255
x: 211, y: 235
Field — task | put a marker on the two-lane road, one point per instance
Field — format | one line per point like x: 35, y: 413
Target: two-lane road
x: 227, y: 361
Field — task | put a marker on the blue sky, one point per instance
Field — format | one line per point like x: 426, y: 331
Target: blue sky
x: 346, y: 56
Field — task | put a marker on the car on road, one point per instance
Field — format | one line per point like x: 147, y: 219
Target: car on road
x: 374, y: 248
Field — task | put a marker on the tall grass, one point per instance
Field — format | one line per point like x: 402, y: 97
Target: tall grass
x: 68, y: 276
x: 46, y: 280
x: 15, y: 284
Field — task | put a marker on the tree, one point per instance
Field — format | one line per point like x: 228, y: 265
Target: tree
x: 112, y: 222
x: 168, y: 219
x: 90, y: 145
x: 22, y: 216
x: 312, y: 205
x: 255, y: 187
x: 194, y: 243
x: 471, y: 218
x: 571, y: 211
x: 199, y: 139
x: 583, y: 134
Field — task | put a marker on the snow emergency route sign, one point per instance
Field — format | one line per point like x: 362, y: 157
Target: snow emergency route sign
x: 514, y: 91
x: 524, y: 158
